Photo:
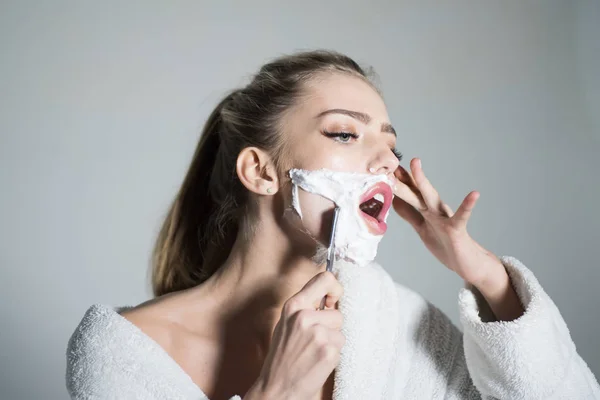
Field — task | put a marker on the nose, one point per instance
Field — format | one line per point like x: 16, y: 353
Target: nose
x: 385, y: 162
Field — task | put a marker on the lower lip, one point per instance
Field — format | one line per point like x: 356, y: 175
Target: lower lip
x: 375, y: 226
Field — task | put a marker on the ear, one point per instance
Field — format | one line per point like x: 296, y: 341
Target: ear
x: 256, y: 171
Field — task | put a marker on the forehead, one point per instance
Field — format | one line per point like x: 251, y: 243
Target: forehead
x: 339, y: 90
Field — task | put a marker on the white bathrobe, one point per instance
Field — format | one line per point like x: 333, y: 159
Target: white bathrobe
x: 398, y: 346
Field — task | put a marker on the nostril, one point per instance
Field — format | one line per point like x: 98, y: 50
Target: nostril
x: 385, y: 169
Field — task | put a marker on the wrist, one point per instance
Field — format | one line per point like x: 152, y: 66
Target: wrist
x: 495, y: 281
x: 500, y: 295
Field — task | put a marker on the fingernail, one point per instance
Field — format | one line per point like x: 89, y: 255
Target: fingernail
x: 419, y: 163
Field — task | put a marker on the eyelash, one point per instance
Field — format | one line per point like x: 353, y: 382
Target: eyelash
x: 398, y: 154
x: 337, y: 135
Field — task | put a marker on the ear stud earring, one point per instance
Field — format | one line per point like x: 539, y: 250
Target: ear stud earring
x: 269, y: 190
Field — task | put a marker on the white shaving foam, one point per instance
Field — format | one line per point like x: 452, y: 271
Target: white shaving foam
x: 353, y: 241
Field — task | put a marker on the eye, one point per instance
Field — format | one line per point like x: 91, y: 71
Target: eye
x: 397, y: 153
x: 342, y: 137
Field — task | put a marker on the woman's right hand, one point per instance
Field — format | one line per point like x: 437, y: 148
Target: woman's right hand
x: 306, y: 343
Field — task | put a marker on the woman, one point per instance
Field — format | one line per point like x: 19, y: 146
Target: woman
x: 238, y: 272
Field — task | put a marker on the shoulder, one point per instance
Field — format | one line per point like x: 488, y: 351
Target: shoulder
x: 147, y: 318
x: 105, y: 354
x: 121, y: 353
x: 99, y: 325
x: 101, y: 337
x: 105, y: 330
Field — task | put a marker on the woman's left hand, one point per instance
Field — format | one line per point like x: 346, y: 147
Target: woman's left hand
x: 444, y: 232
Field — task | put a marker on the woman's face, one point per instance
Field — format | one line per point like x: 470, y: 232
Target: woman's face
x: 342, y: 125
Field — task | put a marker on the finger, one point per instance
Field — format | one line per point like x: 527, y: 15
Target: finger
x: 332, y: 319
x: 329, y: 302
x: 331, y: 342
x: 406, y: 193
x: 447, y: 211
x: 430, y: 195
x: 464, y: 211
x: 406, y: 177
x: 408, y: 212
x: 310, y: 296
x: 337, y: 338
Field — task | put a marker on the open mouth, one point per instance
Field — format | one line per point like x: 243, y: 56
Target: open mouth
x: 375, y: 204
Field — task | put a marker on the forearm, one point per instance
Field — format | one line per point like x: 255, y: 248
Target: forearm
x: 499, y: 293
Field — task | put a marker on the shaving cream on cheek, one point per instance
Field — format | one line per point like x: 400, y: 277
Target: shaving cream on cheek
x: 353, y: 241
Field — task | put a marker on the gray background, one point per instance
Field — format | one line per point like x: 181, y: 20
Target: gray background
x: 101, y: 107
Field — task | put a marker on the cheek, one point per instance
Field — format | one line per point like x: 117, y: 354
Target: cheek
x: 314, y: 209
x: 339, y: 163
x: 334, y: 159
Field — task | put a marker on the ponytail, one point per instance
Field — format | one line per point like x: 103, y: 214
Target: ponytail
x: 193, y: 239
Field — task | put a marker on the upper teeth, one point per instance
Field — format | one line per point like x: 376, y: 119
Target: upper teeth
x: 378, y: 197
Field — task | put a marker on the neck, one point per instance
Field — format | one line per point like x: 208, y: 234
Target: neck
x: 258, y: 277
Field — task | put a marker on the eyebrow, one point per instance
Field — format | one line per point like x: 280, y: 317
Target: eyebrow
x: 362, y: 117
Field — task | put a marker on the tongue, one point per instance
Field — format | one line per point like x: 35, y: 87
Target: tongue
x: 371, y: 207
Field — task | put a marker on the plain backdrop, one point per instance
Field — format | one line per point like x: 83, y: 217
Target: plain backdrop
x: 101, y: 105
